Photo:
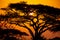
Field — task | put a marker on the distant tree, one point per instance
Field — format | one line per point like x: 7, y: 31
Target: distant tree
x: 10, y: 38
x: 39, y: 17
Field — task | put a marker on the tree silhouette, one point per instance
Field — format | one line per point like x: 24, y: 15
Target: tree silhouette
x: 39, y: 17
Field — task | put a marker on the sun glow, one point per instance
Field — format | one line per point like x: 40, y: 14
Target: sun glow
x: 31, y: 13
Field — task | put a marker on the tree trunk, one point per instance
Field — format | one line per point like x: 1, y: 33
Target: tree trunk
x: 38, y: 37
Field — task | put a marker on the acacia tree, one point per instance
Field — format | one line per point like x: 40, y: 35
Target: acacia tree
x: 39, y: 17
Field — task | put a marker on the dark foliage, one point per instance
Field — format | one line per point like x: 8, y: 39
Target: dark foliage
x: 6, y: 31
x: 10, y: 38
x: 56, y: 28
x: 41, y: 8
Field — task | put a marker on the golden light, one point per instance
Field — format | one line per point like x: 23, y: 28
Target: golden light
x: 35, y: 19
x: 31, y: 13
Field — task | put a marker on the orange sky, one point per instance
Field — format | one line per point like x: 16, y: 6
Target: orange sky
x: 54, y: 3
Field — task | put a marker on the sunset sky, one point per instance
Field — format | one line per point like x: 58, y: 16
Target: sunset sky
x: 54, y: 3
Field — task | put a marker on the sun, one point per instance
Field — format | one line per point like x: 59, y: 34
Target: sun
x: 31, y: 13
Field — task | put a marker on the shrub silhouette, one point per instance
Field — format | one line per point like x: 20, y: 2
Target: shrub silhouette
x: 6, y: 33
